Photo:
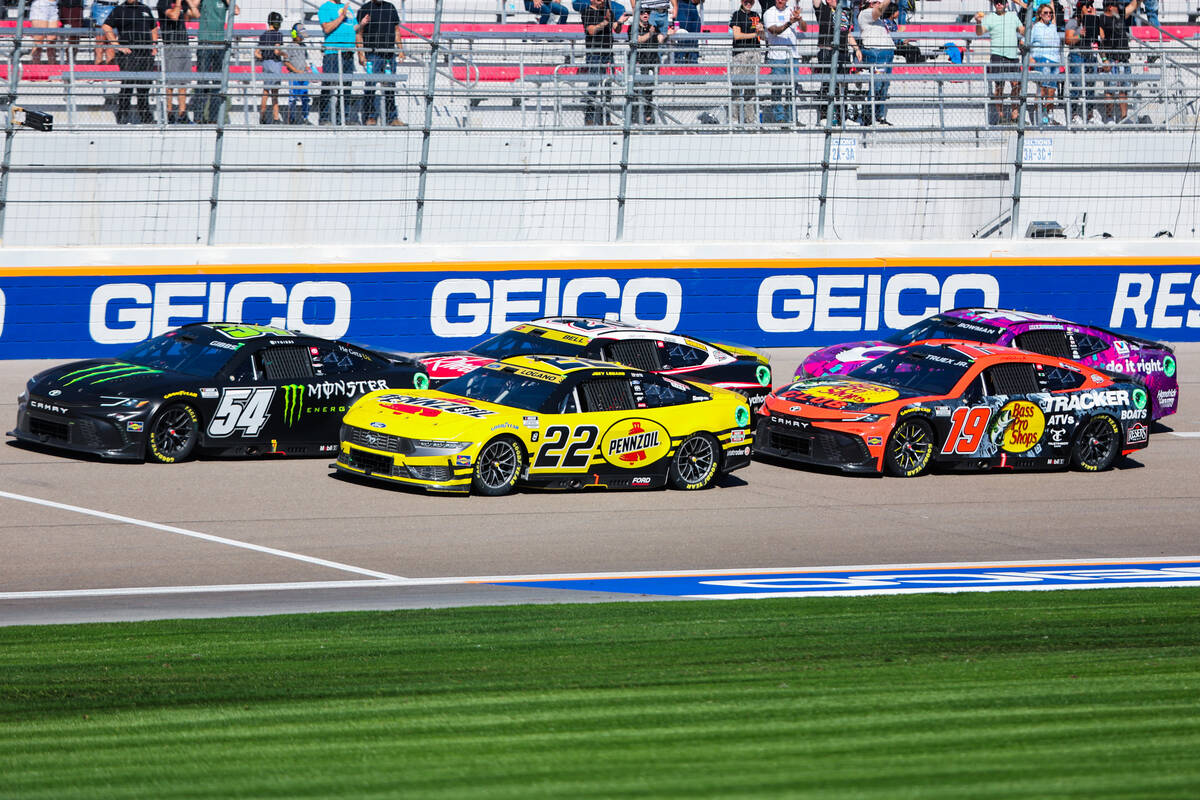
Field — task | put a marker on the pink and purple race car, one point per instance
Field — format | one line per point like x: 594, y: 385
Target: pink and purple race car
x: 1152, y: 362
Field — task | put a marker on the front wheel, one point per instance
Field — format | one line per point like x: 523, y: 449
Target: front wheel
x: 909, y: 449
x: 695, y: 463
x: 498, y: 467
x: 1096, y: 445
x: 174, y: 432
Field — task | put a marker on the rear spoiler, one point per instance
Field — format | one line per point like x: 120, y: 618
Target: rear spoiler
x: 744, y: 352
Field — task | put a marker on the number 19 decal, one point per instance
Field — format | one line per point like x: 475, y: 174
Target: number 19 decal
x: 577, y: 456
x: 967, y: 427
x: 242, y: 410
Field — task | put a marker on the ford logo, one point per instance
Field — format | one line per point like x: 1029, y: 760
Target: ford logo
x: 378, y: 424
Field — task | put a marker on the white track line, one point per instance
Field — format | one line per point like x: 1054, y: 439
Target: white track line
x: 204, y: 536
x: 1186, y: 434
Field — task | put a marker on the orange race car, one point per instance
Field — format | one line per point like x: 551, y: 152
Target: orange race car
x: 960, y: 404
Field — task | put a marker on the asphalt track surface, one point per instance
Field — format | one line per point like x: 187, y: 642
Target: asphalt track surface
x: 86, y: 540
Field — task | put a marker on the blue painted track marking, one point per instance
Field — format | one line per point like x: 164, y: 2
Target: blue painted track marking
x: 887, y: 580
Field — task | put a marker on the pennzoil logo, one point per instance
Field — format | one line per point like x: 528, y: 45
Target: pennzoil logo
x: 293, y: 403
x: 103, y: 373
x: 633, y: 443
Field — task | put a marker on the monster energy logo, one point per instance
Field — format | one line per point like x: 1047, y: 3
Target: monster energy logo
x: 103, y: 373
x: 293, y: 403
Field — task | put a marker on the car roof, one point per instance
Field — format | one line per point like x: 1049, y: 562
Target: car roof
x: 592, y: 327
x: 1002, y: 317
x: 563, y: 365
x: 977, y: 352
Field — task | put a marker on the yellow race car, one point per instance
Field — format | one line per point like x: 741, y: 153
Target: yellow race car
x: 552, y: 421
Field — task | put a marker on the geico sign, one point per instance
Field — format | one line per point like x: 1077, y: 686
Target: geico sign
x: 473, y: 306
x: 143, y: 310
x: 852, y: 301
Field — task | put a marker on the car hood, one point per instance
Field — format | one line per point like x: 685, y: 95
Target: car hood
x: 841, y: 358
x: 83, y: 381
x: 429, y: 414
x: 450, y: 365
x: 831, y: 397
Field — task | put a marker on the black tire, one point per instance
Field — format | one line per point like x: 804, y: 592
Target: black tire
x: 909, y: 450
x: 498, y: 467
x: 1096, y: 444
x: 172, y: 434
x: 696, y: 464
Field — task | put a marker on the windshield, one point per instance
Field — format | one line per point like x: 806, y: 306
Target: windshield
x: 923, y: 370
x: 943, y: 327
x: 505, y: 388
x: 514, y: 343
x: 188, y: 353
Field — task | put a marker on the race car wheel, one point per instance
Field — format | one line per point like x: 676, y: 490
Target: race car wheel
x: 498, y: 467
x: 696, y: 462
x: 174, y: 432
x: 910, y: 449
x: 1097, y: 444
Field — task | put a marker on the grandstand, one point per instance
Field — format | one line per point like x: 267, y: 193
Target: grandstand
x: 496, y: 149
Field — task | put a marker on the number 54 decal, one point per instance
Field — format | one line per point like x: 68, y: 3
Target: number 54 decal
x: 244, y: 410
x: 577, y: 456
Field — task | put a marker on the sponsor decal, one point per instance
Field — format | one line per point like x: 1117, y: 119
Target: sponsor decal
x: 103, y: 373
x: 505, y: 426
x: 763, y: 374
x: 874, y: 441
x: 840, y: 394
x: 737, y: 436
x: 1092, y: 398
x: 1057, y: 437
x: 1097, y: 379
x: 209, y: 393
x: 530, y: 422
x: 743, y: 451
x: 462, y: 461
x: 1138, y: 433
x: 378, y: 425
x: 635, y: 443
x: 134, y: 427
x: 742, y: 415
x: 1055, y: 462
x: 1018, y: 427
x: 1169, y: 367
x: 180, y: 393
x: 420, y: 381
x: 1061, y: 419
x: 1134, y: 413
x: 1139, y: 398
x: 430, y: 406
x: 239, y: 331
x: 293, y: 403
x: 941, y: 411
x: 224, y: 345
x: 639, y: 481
x: 1166, y: 397
x: 1121, y: 346
x: 789, y: 422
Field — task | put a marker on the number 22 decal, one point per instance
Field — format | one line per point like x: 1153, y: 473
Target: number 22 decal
x: 577, y: 456
x: 242, y: 410
x: 967, y: 426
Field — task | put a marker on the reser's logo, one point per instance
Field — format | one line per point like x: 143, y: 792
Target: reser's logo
x: 293, y: 403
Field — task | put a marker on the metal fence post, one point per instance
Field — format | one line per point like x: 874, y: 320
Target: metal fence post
x: 1019, y: 155
x: 830, y: 108
x: 627, y: 117
x: 14, y: 82
x: 430, y: 84
x: 219, y: 142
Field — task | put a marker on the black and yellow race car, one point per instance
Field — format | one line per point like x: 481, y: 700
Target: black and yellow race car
x: 553, y: 421
x: 232, y: 389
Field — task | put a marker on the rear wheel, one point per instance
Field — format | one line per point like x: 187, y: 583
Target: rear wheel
x: 498, y: 467
x: 909, y: 449
x: 1096, y: 445
x: 696, y: 462
x: 173, y: 434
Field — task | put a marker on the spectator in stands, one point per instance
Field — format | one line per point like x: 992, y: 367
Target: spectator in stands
x: 599, y: 25
x: 878, y: 50
x: 650, y: 42
x: 748, y: 34
x: 1083, y: 38
x: 70, y: 14
x: 337, y: 23
x: 1005, y: 30
x: 295, y: 62
x: 379, y: 44
x: 783, y: 24
x: 1114, y: 50
x: 210, y: 56
x: 131, y: 26
x: 826, y: 11
x: 100, y: 11
x: 544, y: 9
x: 1043, y: 50
x: 688, y: 16
x: 1148, y: 6
x: 661, y: 13
x: 43, y: 14
x: 177, y: 55
x: 270, y: 54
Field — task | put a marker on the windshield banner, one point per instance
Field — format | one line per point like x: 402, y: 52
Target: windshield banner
x: 62, y: 312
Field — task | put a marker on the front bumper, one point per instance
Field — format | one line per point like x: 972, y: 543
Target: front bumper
x: 812, y: 444
x: 432, y: 473
x: 81, y: 432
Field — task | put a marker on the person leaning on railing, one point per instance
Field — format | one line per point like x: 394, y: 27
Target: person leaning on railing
x: 269, y: 54
x: 826, y: 11
x: 210, y: 56
x: 337, y: 23
x: 878, y: 51
x: 1083, y: 40
x: 132, y: 27
x: 176, y: 52
x: 379, y: 45
x: 598, y: 28
x: 748, y: 33
x: 295, y: 62
x: 649, y: 45
x: 783, y: 24
x: 1114, y: 50
x: 1043, y: 51
x: 1005, y: 29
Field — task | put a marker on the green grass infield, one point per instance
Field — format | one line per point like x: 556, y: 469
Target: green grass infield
x: 1063, y: 694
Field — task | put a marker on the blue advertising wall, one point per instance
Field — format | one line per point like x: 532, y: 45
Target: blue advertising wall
x: 74, y: 312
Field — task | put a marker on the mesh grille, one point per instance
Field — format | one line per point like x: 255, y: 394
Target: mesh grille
x: 608, y: 394
x: 1012, y: 379
x: 430, y: 473
x: 370, y: 462
x: 379, y: 441
x: 636, y: 353
x: 1048, y: 343
x: 281, y: 363
x: 52, y: 430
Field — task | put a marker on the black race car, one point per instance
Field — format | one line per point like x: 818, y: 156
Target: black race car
x: 232, y: 389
